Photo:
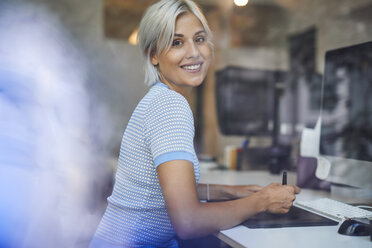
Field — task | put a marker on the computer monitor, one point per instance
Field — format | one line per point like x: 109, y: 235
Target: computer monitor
x: 346, y: 130
x: 245, y: 100
x: 248, y: 104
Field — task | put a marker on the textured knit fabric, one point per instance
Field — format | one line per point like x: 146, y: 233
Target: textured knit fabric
x: 161, y: 129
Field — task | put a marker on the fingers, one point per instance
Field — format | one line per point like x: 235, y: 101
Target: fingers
x: 280, y: 197
x: 293, y: 189
x: 285, y: 210
x: 280, y: 208
x: 289, y: 197
x: 297, y: 189
x: 279, y: 211
x: 285, y: 206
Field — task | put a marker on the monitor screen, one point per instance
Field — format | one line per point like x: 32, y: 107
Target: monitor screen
x: 347, y: 103
x: 245, y: 99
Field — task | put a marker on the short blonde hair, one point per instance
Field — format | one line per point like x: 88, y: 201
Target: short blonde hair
x: 156, y: 31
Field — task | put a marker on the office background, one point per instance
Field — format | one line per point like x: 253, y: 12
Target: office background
x: 76, y: 80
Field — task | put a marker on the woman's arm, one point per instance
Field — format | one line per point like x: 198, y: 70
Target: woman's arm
x: 192, y: 218
x: 225, y: 192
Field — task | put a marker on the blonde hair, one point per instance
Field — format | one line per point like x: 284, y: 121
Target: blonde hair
x: 156, y: 31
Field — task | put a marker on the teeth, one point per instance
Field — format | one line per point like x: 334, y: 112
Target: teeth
x: 191, y: 67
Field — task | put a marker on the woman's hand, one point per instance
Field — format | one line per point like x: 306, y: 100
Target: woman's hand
x: 279, y: 198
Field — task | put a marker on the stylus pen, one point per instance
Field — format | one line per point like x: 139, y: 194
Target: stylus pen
x: 284, y: 180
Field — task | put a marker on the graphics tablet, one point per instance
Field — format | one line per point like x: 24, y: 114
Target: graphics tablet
x: 296, y: 217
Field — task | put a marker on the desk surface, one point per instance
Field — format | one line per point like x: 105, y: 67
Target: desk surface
x: 290, y: 237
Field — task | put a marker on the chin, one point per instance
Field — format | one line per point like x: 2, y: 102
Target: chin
x: 200, y: 82
x: 196, y: 82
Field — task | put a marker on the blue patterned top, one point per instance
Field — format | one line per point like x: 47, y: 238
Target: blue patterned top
x: 161, y: 129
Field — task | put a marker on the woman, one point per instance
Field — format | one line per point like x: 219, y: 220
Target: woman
x: 156, y: 193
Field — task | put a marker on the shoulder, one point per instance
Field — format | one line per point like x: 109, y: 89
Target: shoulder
x: 166, y: 95
x: 168, y: 101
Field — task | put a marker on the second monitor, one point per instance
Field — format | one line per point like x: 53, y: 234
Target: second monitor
x: 248, y: 105
x: 246, y: 100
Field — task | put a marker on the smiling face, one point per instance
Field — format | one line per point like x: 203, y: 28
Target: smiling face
x: 185, y: 64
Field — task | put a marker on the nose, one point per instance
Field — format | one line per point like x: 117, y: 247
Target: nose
x: 192, y: 51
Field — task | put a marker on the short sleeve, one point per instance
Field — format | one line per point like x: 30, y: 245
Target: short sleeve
x: 169, y: 128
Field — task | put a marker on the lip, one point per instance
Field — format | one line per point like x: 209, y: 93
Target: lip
x: 191, y: 64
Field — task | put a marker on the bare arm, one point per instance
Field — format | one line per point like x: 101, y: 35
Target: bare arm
x: 191, y: 218
x: 226, y: 192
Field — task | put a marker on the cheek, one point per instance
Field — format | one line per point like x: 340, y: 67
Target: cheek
x: 166, y: 65
x: 206, y: 53
x: 174, y: 58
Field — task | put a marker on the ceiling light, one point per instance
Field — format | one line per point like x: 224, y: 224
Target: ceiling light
x: 240, y: 2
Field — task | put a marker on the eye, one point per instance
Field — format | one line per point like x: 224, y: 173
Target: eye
x: 177, y: 43
x: 200, y: 39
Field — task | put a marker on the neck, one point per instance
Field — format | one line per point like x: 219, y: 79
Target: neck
x: 185, y: 91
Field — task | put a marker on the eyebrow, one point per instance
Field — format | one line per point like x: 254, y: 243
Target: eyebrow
x: 197, y: 33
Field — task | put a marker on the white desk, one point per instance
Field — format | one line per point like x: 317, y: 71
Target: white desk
x: 290, y: 237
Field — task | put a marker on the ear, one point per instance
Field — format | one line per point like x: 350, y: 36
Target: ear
x: 154, y: 60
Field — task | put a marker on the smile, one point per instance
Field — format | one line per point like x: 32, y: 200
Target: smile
x: 192, y: 68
